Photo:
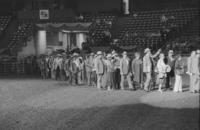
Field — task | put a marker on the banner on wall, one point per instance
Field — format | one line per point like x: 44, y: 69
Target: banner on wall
x: 44, y: 14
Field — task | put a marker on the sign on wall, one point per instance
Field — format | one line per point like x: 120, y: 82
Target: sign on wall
x: 44, y: 14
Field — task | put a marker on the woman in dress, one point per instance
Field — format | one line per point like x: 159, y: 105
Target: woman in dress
x: 179, y: 71
x: 136, y: 68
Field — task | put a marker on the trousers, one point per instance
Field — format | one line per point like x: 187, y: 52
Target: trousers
x: 178, y: 83
x: 128, y: 78
x: 147, y: 81
x: 99, y: 80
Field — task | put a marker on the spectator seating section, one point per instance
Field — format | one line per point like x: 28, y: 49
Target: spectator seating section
x: 4, y: 20
x: 101, y: 24
x: 188, y: 39
x: 19, y: 37
x: 137, y: 30
x: 143, y: 28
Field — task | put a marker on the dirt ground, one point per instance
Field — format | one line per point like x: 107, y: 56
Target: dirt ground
x: 37, y: 104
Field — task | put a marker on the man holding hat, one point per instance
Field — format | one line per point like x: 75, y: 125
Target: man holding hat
x: 171, y: 62
x: 125, y: 71
x: 148, y: 64
x: 100, y: 69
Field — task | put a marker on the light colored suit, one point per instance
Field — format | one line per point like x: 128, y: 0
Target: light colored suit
x: 100, y: 69
x: 196, y: 70
x: 147, y: 64
x: 88, y: 68
x: 147, y: 68
x: 191, y: 70
x: 125, y: 71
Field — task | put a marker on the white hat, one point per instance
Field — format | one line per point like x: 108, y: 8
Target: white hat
x: 124, y: 53
x: 146, y: 50
x: 59, y: 55
x: 109, y: 56
x: 171, y: 51
x: 113, y: 52
x: 99, y: 53
x: 75, y: 54
x: 92, y: 54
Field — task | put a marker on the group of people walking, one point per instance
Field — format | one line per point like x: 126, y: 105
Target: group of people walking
x: 113, y: 71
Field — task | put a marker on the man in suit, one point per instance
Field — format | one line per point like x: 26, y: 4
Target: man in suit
x: 125, y: 71
x: 117, y: 70
x: 88, y: 68
x: 171, y: 62
x: 148, y: 66
x: 100, y: 69
x: 74, y: 70
x: 197, y: 72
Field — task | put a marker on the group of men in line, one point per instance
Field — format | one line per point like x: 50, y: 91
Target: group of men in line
x: 112, y: 71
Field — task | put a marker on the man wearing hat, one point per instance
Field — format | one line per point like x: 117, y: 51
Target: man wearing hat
x: 110, y: 72
x: 148, y: 65
x: 117, y: 70
x: 88, y: 67
x: 125, y: 71
x: 58, y: 66
x: 197, y: 74
x: 94, y: 74
x: 74, y: 70
x: 100, y: 69
x: 170, y: 75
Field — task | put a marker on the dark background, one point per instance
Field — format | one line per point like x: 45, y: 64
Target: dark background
x: 9, y: 6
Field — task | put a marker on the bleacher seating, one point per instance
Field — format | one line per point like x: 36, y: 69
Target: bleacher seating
x: 139, y: 29
x: 101, y: 24
x: 4, y: 20
x: 143, y: 28
x: 19, y: 37
x: 189, y: 38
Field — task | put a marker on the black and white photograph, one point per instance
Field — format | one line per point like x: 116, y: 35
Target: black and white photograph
x: 99, y: 65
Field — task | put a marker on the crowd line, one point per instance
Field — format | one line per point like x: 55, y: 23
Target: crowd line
x: 113, y: 71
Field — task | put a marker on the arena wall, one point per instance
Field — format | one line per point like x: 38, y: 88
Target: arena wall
x: 29, y: 49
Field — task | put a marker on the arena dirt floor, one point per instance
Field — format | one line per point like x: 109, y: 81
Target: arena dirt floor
x: 37, y: 104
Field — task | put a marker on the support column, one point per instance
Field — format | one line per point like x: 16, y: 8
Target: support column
x: 80, y: 38
x: 60, y: 38
x: 64, y: 40
x: 126, y: 6
x: 41, y: 42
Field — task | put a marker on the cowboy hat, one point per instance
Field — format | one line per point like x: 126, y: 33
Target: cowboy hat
x: 92, y: 54
x: 99, y: 53
x: 124, y: 53
x: 109, y: 56
x: 146, y: 50
x: 171, y: 51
